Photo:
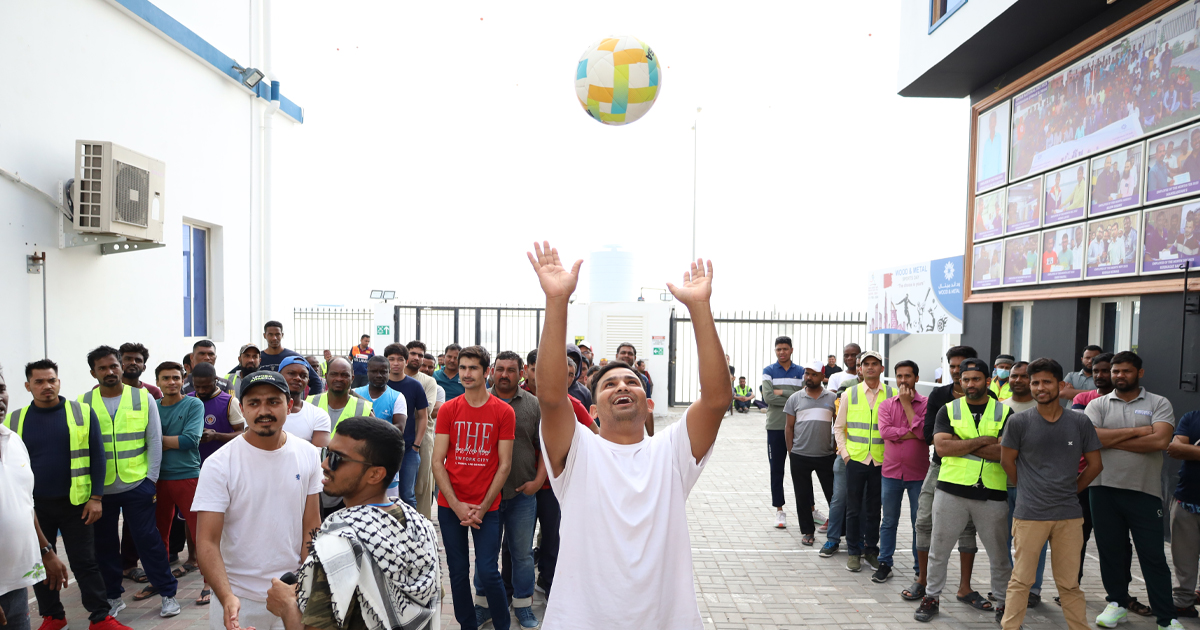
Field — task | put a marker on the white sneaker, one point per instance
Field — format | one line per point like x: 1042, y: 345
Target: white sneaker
x: 115, y: 606
x: 780, y: 519
x: 1112, y: 615
x: 819, y: 518
x: 170, y: 607
x: 1175, y: 625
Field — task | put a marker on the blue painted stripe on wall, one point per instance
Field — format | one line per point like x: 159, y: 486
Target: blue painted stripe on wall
x: 184, y: 36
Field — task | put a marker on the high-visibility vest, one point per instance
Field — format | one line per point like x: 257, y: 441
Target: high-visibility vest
x: 124, y: 436
x: 742, y: 390
x: 1002, y: 392
x: 233, y: 382
x: 968, y: 470
x: 862, y: 423
x: 359, y: 407
x: 79, y: 430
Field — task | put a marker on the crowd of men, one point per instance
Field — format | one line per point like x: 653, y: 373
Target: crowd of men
x: 1024, y: 458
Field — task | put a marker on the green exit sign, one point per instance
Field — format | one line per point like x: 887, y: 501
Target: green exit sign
x: 383, y: 329
x: 658, y: 351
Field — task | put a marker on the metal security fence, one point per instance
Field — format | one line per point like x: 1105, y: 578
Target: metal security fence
x: 497, y: 328
x: 315, y: 330
x: 749, y: 340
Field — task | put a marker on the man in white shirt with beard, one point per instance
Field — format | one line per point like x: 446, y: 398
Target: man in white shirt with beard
x: 630, y: 568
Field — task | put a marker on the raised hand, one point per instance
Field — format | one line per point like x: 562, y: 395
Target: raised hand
x: 556, y: 280
x: 697, y: 284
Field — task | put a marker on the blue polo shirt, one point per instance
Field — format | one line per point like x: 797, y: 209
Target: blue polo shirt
x: 452, y: 386
x: 1188, y: 489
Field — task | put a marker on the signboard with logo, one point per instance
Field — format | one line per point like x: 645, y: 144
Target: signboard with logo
x: 918, y: 299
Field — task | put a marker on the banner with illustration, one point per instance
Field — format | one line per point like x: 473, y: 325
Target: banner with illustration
x: 919, y: 299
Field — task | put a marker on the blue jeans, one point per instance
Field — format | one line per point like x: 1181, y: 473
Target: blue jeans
x: 893, y: 497
x: 837, y: 507
x: 137, y: 504
x: 517, y: 518
x: 408, y: 475
x: 15, y: 605
x: 1041, y: 570
x: 458, y: 561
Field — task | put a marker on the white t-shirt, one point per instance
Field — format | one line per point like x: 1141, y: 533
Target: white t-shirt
x: 441, y: 395
x: 624, y: 525
x: 20, y: 557
x: 303, y: 423
x: 262, y: 494
x: 836, y: 380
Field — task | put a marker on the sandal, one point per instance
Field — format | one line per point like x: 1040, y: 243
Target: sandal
x: 913, y: 592
x: 180, y: 571
x: 205, y: 597
x: 146, y: 593
x: 807, y: 540
x: 976, y: 601
x: 136, y: 574
x: 1138, y: 608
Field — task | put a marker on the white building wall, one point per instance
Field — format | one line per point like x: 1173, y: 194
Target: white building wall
x: 920, y: 50
x: 656, y: 318
x: 82, y: 69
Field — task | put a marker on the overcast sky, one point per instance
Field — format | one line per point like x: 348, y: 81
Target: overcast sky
x: 441, y: 139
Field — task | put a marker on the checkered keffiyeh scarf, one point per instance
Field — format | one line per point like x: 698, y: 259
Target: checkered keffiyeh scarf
x: 392, y: 569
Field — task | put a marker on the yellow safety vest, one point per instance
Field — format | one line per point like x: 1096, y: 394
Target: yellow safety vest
x: 359, y: 406
x: 124, y: 436
x: 862, y: 424
x: 1002, y: 392
x: 233, y: 383
x: 79, y: 432
x: 968, y: 470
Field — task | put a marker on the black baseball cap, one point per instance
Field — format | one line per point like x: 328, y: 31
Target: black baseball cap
x: 978, y: 365
x: 263, y: 377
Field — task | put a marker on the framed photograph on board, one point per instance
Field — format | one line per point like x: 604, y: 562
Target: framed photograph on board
x: 987, y: 265
x: 1116, y: 181
x: 989, y: 215
x: 1024, y: 206
x: 1066, y: 192
x: 1112, y: 246
x: 1021, y: 259
x: 1062, y: 254
x: 1173, y: 169
x: 1171, y: 237
x: 991, y: 148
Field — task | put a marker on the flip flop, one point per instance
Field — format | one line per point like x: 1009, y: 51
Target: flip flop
x: 807, y: 540
x: 914, y: 592
x: 180, y: 571
x: 136, y: 574
x: 146, y: 593
x: 205, y: 597
x: 976, y: 601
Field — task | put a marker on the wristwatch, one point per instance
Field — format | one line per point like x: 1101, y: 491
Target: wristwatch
x: 47, y: 549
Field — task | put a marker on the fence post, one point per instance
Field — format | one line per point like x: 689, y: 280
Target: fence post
x: 396, y: 324
x: 537, y: 331
x: 478, y: 324
x: 671, y: 362
x: 498, y: 312
x: 418, y: 321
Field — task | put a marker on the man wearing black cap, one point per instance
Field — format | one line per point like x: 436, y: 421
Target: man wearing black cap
x: 248, y: 359
x: 256, y: 503
x: 971, y: 486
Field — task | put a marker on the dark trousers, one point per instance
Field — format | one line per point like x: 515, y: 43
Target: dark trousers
x: 359, y: 380
x: 777, y: 450
x: 864, y: 503
x: 458, y: 564
x: 548, y: 515
x: 129, y: 555
x: 802, y: 469
x: 79, y: 540
x: 137, y: 504
x: 1117, y: 515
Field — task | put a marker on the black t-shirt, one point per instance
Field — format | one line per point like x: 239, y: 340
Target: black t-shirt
x: 830, y: 370
x: 977, y: 492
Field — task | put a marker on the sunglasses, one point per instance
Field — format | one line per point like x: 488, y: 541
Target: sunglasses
x: 335, y: 459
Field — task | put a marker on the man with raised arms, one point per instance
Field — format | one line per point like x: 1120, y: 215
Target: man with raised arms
x: 624, y: 525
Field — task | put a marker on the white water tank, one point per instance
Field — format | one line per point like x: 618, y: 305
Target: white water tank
x: 611, y: 278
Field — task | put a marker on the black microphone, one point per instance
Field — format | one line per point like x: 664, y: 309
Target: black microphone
x: 288, y: 578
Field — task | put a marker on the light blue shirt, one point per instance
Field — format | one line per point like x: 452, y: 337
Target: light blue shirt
x: 382, y: 407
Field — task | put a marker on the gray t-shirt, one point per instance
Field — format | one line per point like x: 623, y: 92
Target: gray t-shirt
x: 1079, y: 381
x: 153, y: 445
x: 814, y: 423
x: 1048, y: 462
x: 1018, y: 407
x: 525, y: 442
x: 1123, y: 469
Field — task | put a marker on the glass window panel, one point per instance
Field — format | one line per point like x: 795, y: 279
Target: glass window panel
x: 1016, y: 331
x: 187, y: 280
x: 199, y: 282
x: 1133, y: 329
x: 1110, y: 315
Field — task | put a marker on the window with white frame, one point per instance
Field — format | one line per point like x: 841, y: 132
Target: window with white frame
x: 1014, y: 331
x: 1114, y: 323
x: 195, y: 280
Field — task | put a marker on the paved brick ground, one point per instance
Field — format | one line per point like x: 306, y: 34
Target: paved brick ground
x: 750, y: 575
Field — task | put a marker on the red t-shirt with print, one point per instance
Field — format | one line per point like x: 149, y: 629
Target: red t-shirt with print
x: 472, y: 458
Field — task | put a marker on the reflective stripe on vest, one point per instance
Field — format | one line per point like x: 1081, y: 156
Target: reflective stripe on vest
x: 1002, y: 392
x: 862, y: 424
x: 969, y: 470
x: 361, y: 408
x: 124, y: 436
x: 78, y: 432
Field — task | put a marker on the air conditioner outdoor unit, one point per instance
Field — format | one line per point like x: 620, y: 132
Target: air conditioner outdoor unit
x: 118, y: 191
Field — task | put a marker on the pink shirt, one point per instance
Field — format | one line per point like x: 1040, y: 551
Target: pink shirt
x: 904, y: 459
